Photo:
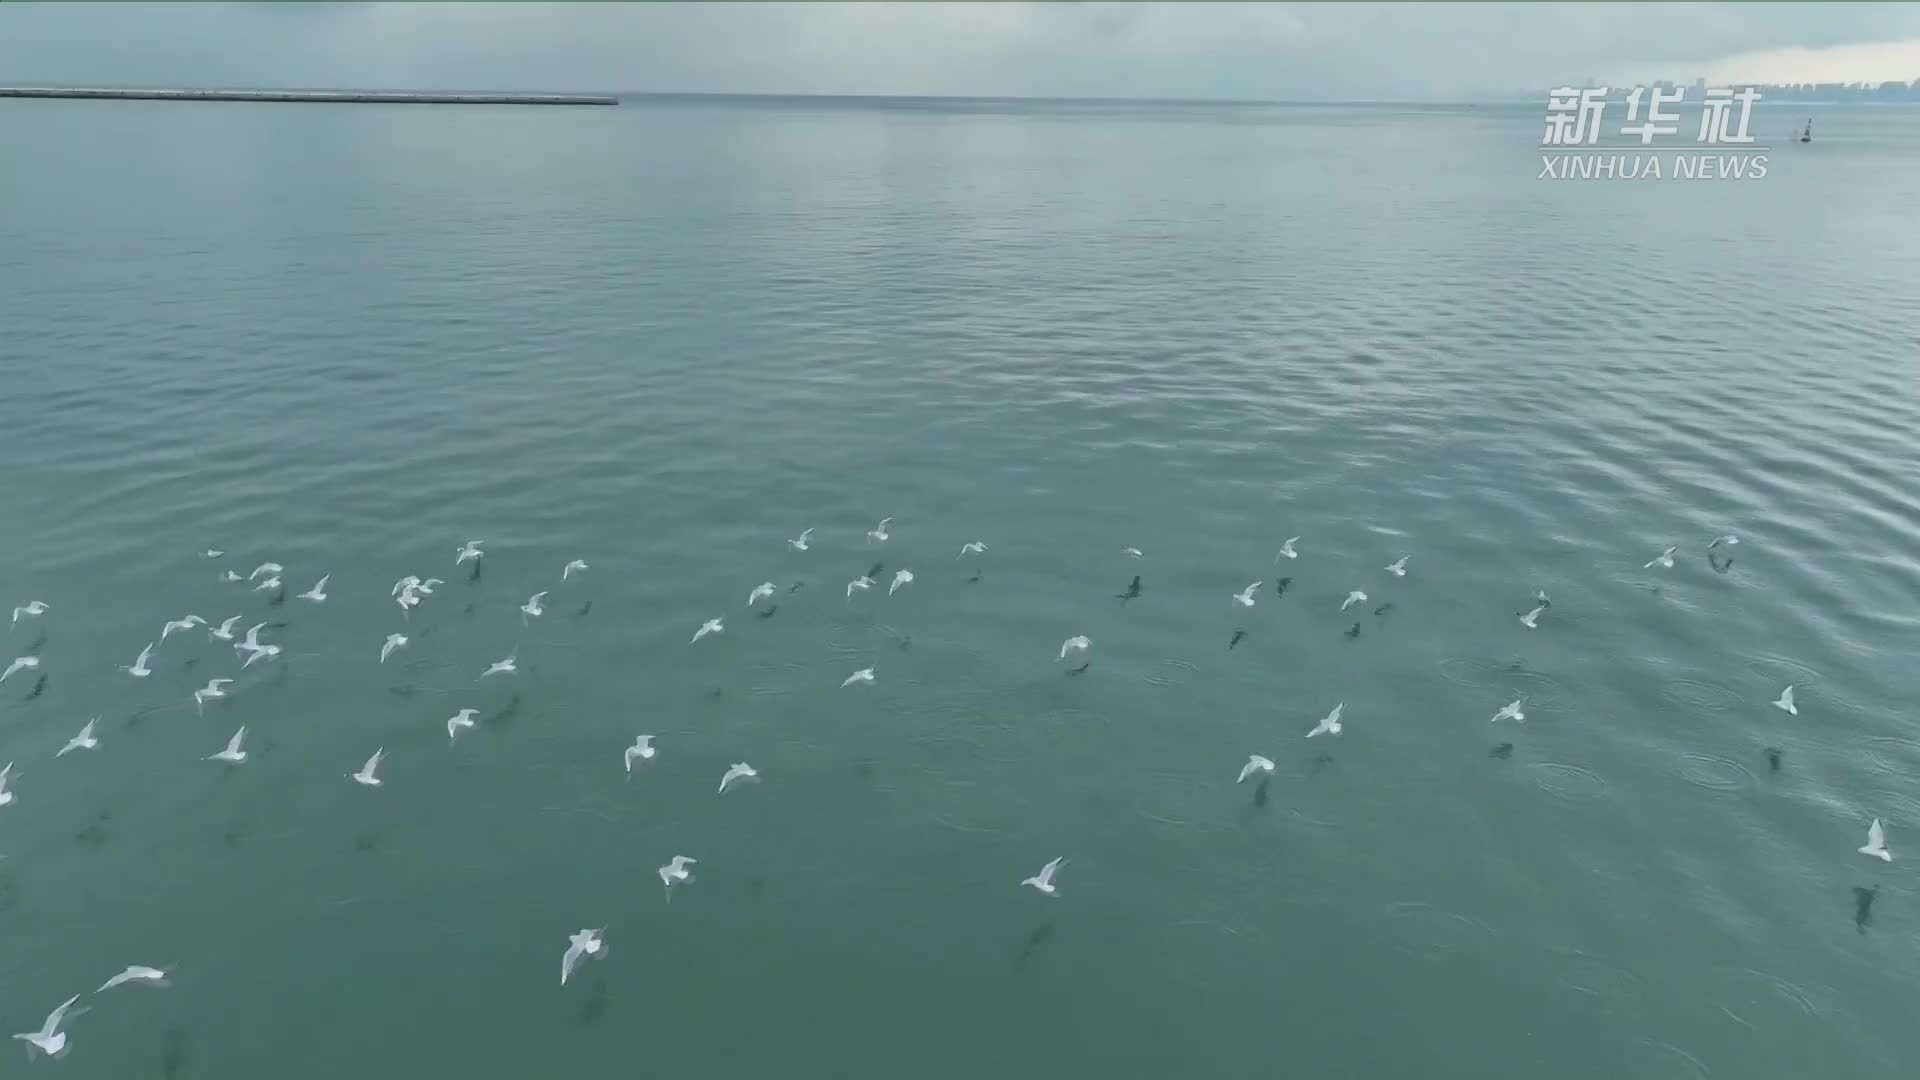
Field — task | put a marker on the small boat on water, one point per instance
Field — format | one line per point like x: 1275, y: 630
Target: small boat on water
x: 1807, y: 134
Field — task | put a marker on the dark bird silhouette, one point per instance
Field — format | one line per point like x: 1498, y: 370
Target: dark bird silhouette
x: 1720, y: 566
x: 874, y: 571
x: 39, y: 687
x: 278, y: 599
x: 474, y: 574
x: 1382, y: 610
x: 796, y: 587
x: 768, y: 613
x: 584, y: 608
x: 1503, y: 751
x: 1079, y: 670
x: 975, y: 579
x: 1238, y: 636
x: 1353, y: 631
x: 1773, y: 758
x: 1260, y: 794
x: 1040, y: 936
x: 1133, y: 590
x: 1280, y: 586
x: 1863, y: 906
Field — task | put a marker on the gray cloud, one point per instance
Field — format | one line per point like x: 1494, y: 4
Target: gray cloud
x: 1341, y: 51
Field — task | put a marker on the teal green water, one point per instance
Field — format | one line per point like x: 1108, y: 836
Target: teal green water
x: 666, y: 337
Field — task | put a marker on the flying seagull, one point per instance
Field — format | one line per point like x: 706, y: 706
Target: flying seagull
x: 878, y: 534
x: 6, y: 774
x: 583, y: 944
x: 318, y: 593
x: 20, y: 663
x: 1255, y: 763
x: 187, y: 623
x: 461, y: 719
x: 568, y: 570
x: 738, y: 771
x: 1786, y: 702
x: 1354, y: 597
x: 675, y: 871
x: 1078, y: 641
x: 215, y: 688
x: 642, y: 748
x: 135, y: 973
x: 1245, y: 596
x: 900, y: 577
x: 862, y: 583
x: 1531, y: 620
x: 82, y: 741
x: 1044, y: 879
x: 1329, y: 724
x: 1509, y: 711
x: 1398, y: 568
x: 232, y: 753
x: 468, y: 550
x: 1876, y: 844
x: 763, y: 589
x: 1286, y: 550
x: 139, y: 668
x: 799, y: 543
x: 212, y: 553
x: 1133, y: 553
x: 974, y: 547
x: 394, y: 641
x: 1718, y: 540
x: 50, y: 1040
x: 532, y: 608
x: 224, y: 632
x: 268, y: 568
x: 1664, y: 559
x: 864, y: 675
x: 502, y: 667
x: 711, y: 626
x: 365, y: 775
x: 31, y: 607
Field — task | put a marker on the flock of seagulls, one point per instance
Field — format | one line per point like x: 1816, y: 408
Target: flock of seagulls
x: 408, y: 592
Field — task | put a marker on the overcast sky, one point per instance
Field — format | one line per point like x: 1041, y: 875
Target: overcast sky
x: 1286, y: 51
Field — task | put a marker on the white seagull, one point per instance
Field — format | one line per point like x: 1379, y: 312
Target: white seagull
x: 1398, y: 567
x: 1718, y: 540
x: 1354, y: 597
x: 232, y: 753
x: 799, y: 543
x: 257, y: 652
x: 50, y: 1040
x: 224, y: 632
x: 864, y: 675
x: 139, y: 669
x: 862, y: 582
x: 765, y: 588
x: 82, y: 741
x: 1786, y: 702
x: 6, y: 774
x: 739, y: 770
x: 1044, y: 879
x: 31, y: 607
x: 20, y: 663
x: 468, y: 550
x: 532, y: 608
x: 1531, y: 620
x: 268, y: 585
x: 365, y: 775
x: 1286, y: 550
x: 265, y: 568
x: 1255, y: 763
x: 974, y: 547
x: 1330, y: 723
x: 1133, y: 553
x: 405, y: 585
x: 1876, y: 844
x: 502, y: 667
x: 567, y: 571
x: 228, y: 575
x: 318, y: 593
x: 878, y: 534
x: 900, y: 577
x: 461, y: 719
x: 187, y: 623
x: 1078, y: 641
x: 675, y: 871
x: 1664, y: 559
x: 583, y: 944
x: 1245, y: 596
x: 212, y: 553
x: 1510, y: 711
x: 215, y: 688
x: 394, y: 641
x: 642, y: 748
x: 139, y: 973
x: 711, y: 626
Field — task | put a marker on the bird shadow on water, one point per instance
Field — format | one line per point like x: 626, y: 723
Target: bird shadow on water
x: 9, y: 895
x: 39, y: 687
x: 370, y: 841
x: 94, y: 835
x: 594, y: 1009
x: 235, y: 833
x: 1863, y: 906
x: 503, y: 717
x: 1040, y: 936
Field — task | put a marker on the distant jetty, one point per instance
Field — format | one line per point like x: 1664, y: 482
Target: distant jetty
x: 336, y: 97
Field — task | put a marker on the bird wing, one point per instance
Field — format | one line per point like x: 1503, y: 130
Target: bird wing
x: 570, y: 960
x: 57, y: 1015
x: 1876, y: 835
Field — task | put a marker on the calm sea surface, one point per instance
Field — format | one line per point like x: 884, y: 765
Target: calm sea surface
x: 665, y: 338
